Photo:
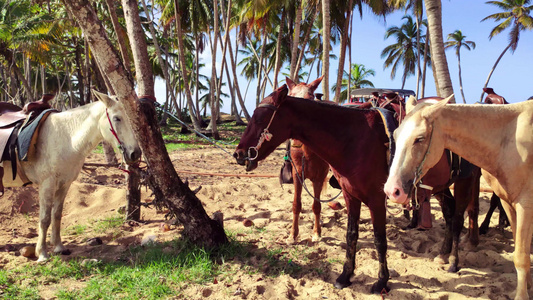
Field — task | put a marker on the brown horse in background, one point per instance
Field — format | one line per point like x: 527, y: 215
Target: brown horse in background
x: 336, y: 133
x: 308, y: 165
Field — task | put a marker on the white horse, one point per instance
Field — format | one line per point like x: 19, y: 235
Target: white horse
x: 65, y: 140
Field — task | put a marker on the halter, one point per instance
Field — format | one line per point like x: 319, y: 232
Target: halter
x: 265, y: 135
x: 417, y: 182
x: 120, y: 144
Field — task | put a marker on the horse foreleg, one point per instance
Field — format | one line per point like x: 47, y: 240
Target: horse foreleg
x: 296, y: 208
x: 447, y: 204
x: 57, y: 211
x: 352, y: 234
x: 45, y: 210
x: 317, y: 207
x: 380, y: 241
x: 522, y: 259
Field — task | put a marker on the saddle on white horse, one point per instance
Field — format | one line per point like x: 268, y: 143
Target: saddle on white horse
x: 19, y: 129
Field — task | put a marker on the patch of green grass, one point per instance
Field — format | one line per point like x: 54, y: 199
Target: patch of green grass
x: 181, y: 146
x: 99, y: 149
x: 154, y: 271
x: 76, y: 229
x: 103, y: 225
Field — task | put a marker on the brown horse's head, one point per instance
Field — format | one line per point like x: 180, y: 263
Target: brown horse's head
x: 264, y: 131
x: 303, y: 90
x: 418, y: 148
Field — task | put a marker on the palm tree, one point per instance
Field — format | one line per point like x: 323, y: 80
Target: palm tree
x: 357, y: 78
x: 516, y: 16
x: 457, y: 40
x: 403, y: 53
x: 436, y: 43
x: 326, y: 32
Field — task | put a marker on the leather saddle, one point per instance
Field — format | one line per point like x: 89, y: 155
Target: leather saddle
x: 12, y: 120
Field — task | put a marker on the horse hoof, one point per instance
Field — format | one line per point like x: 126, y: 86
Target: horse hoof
x: 42, y: 259
x: 483, y: 230
x: 291, y: 240
x: 63, y: 252
x: 453, y: 269
x: 380, y: 288
x: 440, y: 259
x: 342, y: 284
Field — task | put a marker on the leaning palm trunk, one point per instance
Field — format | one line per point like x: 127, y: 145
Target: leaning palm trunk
x: 165, y: 182
x: 442, y: 74
x: 493, y: 68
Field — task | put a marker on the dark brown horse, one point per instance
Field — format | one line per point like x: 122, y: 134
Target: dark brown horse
x: 334, y: 133
x: 307, y: 165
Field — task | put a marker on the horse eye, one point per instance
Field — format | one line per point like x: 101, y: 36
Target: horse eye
x: 116, y: 119
x: 419, y: 139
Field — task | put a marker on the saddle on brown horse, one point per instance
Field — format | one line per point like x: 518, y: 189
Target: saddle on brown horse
x: 13, y: 120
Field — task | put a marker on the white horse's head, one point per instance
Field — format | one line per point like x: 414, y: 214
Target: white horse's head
x: 419, y: 147
x: 116, y: 129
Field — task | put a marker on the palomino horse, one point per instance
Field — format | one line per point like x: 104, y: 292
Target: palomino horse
x: 334, y: 133
x: 65, y: 139
x: 496, y: 138
x: 465, y: 198
x: 314, y: 168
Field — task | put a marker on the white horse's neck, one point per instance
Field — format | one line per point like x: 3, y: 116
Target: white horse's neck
x: 480, y: 133
x: 82, y: 125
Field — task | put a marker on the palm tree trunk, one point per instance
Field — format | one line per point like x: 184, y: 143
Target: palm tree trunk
x: 326, y: 25
x: 342, y: 56
x: 492, y: 70
x: 278, y: 47
x: 306, y: 39
x: 296, y: 42
x: 260, y: 71
x: 460, y: 77
x: 423, y: 86
x: 196, y: 122
x: 145, y: 85
x: 442, y: 74
x: 236, y: 80
x: 121, y: 39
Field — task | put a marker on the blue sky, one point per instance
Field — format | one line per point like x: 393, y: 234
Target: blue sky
x: 513, y: 78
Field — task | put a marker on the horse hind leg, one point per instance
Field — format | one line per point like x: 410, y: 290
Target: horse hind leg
x: 296, y: 208
x: 317, y: 207
x: 57, y: 211
x: 45, y: 216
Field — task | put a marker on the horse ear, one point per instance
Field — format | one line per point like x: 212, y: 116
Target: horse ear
x: 435, y: 109
x: 290, y: 83
x: 410, y: 104
x: 313, y: 85
x: 108, y: 101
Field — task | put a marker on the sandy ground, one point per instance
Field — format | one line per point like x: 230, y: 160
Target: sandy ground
x: 487, y: 272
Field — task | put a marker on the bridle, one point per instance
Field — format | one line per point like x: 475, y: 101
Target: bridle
x: 112, y: 129
x: 265, y: 135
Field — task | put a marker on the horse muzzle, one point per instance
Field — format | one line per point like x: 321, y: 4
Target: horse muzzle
x: 397, y: 192
x: 132, y: 156
x: 243, y: 159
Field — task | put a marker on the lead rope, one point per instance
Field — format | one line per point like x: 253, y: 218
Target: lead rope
x: 302, y: 181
